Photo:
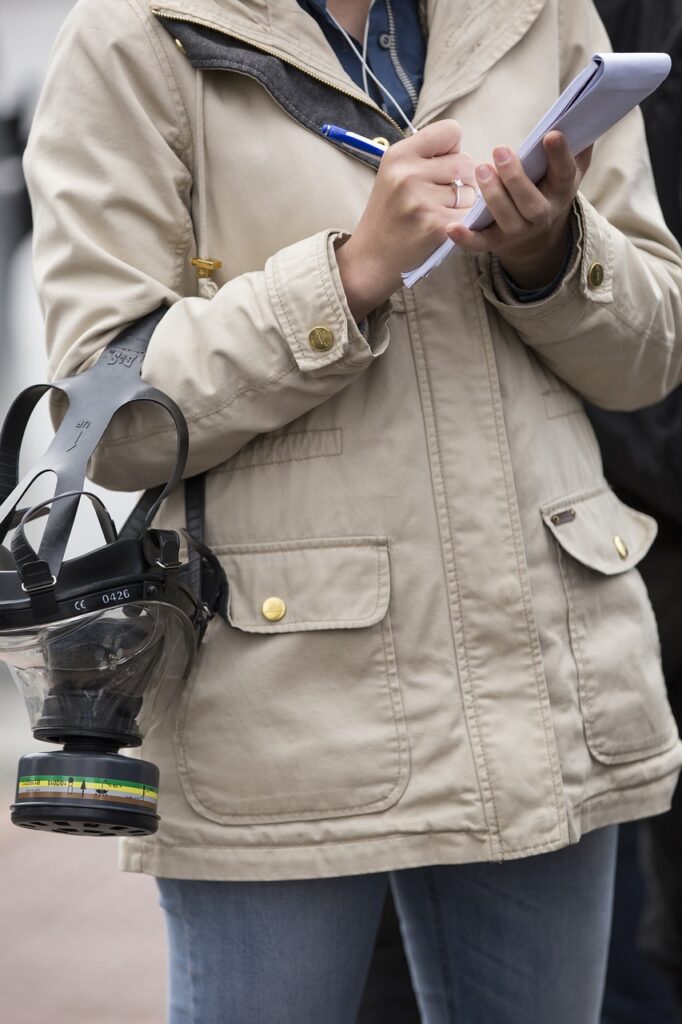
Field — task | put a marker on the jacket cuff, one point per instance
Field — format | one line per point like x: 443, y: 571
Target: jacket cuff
x: 588, y: 278
x: 537, y: 294
x: 494, y: 279
x: 307, y: 296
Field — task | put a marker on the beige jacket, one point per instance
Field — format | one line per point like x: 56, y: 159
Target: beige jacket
x: 467, y: 664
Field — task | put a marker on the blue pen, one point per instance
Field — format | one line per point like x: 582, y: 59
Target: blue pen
x: 355, y: 141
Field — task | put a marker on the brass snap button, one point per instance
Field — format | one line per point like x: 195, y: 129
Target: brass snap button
x: 595, y: 275
x: 381, y: 141
x: 620, y: 546
x: 274, y: 609
x: 180, y: 47
x: 321, y: 339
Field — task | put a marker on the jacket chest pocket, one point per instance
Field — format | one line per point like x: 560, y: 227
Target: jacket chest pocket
x: 293, y: 711
x: 612, y: 627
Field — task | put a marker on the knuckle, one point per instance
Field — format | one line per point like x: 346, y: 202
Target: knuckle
x: 466, y: 164
x: 429, y: 222
x: 539, y: 212
x: 392, y: 174
x: 512, y: 177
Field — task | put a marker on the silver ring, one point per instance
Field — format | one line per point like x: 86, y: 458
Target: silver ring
x: 458, y: 185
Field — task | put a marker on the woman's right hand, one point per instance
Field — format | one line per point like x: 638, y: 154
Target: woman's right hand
x: 410, y: 206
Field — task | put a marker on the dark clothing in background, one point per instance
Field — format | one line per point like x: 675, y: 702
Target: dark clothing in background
x: 653, y: 25
x: 15, y: 212
x: 642, y: 454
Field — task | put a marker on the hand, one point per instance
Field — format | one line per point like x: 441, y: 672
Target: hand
x: 531, y: 230
x: 407, y: 214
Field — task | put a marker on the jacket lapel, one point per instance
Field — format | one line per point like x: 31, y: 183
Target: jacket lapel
x: 466, y: 38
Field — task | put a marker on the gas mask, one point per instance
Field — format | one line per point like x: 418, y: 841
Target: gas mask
x: 98, y: 644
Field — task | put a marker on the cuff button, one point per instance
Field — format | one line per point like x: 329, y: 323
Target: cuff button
x: 321, y: 339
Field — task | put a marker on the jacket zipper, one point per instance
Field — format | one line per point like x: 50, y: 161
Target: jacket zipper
x: 165, y: 12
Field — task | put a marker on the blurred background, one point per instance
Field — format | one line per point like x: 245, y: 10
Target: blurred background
x: 82, y: 943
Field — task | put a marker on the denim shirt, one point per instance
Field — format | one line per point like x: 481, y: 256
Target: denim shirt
x: 396, y: 51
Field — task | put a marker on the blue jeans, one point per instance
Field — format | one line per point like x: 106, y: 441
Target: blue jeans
x: 523, y: 942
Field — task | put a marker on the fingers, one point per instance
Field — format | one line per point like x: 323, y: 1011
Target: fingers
x: 583, y: 160
x: 436, y: 139
x: 561, y: 167
x: 513, y: 196
x: 474, y: 241
x: 444, y: 169
x: 503, y: 197
x: 451, y: 199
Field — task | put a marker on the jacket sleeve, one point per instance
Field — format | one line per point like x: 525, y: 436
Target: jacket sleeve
x: 615, y: 341
x: 108, y: 167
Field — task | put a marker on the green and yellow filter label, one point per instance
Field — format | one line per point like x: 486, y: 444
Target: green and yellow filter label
x: 78, y: 787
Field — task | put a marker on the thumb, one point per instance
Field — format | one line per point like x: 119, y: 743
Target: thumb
x: 438, y: 139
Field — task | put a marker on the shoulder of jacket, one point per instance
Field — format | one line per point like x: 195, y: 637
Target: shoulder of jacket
x: 126, y: 40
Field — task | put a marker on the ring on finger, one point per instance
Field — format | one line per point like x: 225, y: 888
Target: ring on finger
x: 457, y: 185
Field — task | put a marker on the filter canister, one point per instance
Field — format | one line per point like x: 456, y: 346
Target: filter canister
x: 86, y: 793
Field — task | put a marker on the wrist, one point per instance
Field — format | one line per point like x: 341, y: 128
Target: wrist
x: 540, y: 268
x: 365, y: 282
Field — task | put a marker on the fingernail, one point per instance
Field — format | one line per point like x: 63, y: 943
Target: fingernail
x: 501, y: 154
x: 483, y: 172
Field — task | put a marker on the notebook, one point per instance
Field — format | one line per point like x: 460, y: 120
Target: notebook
x: 604, y: 92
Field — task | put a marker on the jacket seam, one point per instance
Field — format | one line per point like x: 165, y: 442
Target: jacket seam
x: 227, y: 468
x: 283, y: 312
x: 323, y: 270
x: 521, y: 567
x: 576, y: 496
x: 647, y: 784
x: 543, y: 847
x: 298, y: 544
x: 442, y: 507
x: 186, y: 150
x: 166, y: 844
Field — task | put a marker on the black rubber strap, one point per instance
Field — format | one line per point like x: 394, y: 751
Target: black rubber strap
x: 94, y: 397
x: 195, y: 503
x: 37, y: 579
x: 135, y: 523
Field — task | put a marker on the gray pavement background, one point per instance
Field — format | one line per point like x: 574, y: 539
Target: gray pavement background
x: 80, y: 941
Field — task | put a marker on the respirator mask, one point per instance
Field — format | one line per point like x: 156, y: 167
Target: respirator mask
x: 98, y: 644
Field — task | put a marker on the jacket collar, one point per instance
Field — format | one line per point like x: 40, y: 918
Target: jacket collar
x: 467, y: 37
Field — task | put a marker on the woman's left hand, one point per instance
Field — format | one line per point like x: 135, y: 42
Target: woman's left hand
x: 531, y: 231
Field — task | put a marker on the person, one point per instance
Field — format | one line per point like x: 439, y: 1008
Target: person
x: 641, y: 461
x: 440, y: 670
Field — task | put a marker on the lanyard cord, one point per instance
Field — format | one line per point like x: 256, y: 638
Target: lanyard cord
x: 366, y: 69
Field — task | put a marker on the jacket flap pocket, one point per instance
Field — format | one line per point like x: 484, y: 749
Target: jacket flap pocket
x: 292, y: 586
x: 599, y: 531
